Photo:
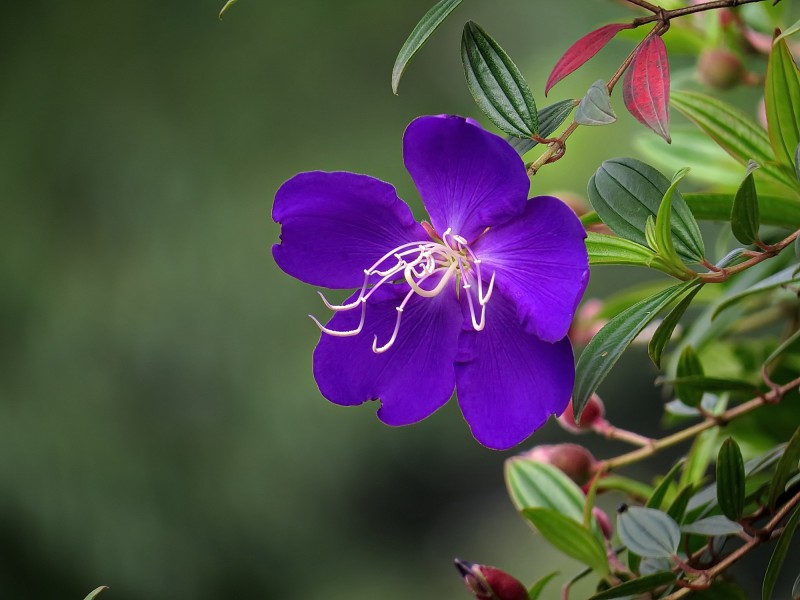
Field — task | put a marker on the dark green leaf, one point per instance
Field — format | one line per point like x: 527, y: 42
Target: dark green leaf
x: 569, y: 537
x: 595, y: 107
x: 420, y: 34
x: 730, y: 479
x: 787, y: 465
x: 662, y: 335
x: 658, y: 495
x: 774, y: 210
x: 689, y: 365
x: 637, y: 586
x: 602, y: 353
x: 648, y: 532
x: 625, y: 192
x: 781, y: 278
x: 744, y: 214
x: 713, y: 526
x: 677, y: 509
x: 779, y: 555
x: 537, y: 588
x: 496, y: 84
x: 96, y: 592
x: 782, y: 101
x: 550, y: 117
x: 711, y: 384
x: 534, y: 484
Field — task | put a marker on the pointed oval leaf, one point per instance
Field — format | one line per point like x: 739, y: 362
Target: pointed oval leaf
x: 779, y: 555
x: 664, y: 229
x: 550, y: 117
x: 657, y: 497
x: 96, y: 592
x: 730, y: 479
x: 581, y: 51
x: 496, y: 84
x: 605, y: 348
x: 713, y: 526
x: 626, y: 191
x: 782, y: 101
x: 595, y: 107
x: 533, y: 484
x: 537, y: 588
x: 419, y: 35
x: 648, y: 532
x: 745, y: 219
x: 637, y: 586
x: 569, y: 537
x: 787, y: 465
x: 679, y: 504
x: 606, y: 249
x: 662, y: 335
x: 689, y: 365
x: 645, y: 88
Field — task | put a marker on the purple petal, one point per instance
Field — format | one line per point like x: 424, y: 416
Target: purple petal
x: 335, y: 225
x: 414, y: 377
x: 468, y: 178
x: 541, y: 265
x: 509, y: 381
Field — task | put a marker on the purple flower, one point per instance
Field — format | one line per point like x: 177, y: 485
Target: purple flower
x: 480, y: 299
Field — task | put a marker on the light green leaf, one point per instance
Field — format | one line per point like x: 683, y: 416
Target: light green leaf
x: 595, y: 107
x: 550, y: 118
x: 613, y: 250
x: 662, y: 335
x: 699, y: 458
x: 730, y: 479
x: 637, y: 586
x: 605, y: 348
x: 773, y: 210
x: 664, y: 229
x: 533, y: 484
x: 745, y: 219
x: 677, y: 508
x: 711, y: 526
x: 779, y: 555
x: 656, y: 499
x: 569, y: 537
x: 648, y: 532
x: 419, y: 35
x: 537, y: 588
x: 791, y: 30
x: 496, y: 83
x: 626, y: 485
x: 787, y: 466
x: 96, y: 592
x: 782, y: 100
x: 781, y: 278
x: 222, y: 12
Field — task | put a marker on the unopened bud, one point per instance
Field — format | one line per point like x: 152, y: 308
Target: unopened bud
x: 603, y: 522
x: 575, y: 461
x: 719, y: 68
x: 490, y: 583
x: 592, y: 417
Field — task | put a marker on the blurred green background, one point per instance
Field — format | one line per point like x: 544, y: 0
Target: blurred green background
x: 161, y: 430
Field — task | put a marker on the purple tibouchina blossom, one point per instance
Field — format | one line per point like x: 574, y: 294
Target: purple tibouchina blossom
x: 480, y: 299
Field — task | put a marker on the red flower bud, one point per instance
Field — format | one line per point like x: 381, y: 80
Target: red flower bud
x: 490, y: 583
x: 719, y: 68
x: 575, y: 461
x: 592, y: 417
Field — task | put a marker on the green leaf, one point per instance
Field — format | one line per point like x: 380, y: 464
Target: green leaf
x: 625, y: 192
x: 781, y: 278
x: 744, y: 214
x: 787, y: 465
x: 605, y: 348
x: 662, y: 335
x: 419, y: 35
x: 222, y: 12
x: 712, y: 526
x: 537, y: 588
x: 699, y: 457
x: 797, y: 162
x: 782, y: 101
x: 96, y: 592
x: 730, y: 479
x: 779, y: 555
x: 569, y: 537
x: 783, y: 347
x: 496, y: 84
x: 733, y: 130
x: 663, y: 230
x: 637, y: 586
x: 595, y: 107
x: 677, y: 508
x: 648, y: 532
x: 631, y: 487
x: 791, y: 30
x: 613, y: 250
x: 533, y: 484
x: 712, y: 384
x: 689, y: 365
x: 774, y: 210
x: 657, y: 497
x: 550, y: 118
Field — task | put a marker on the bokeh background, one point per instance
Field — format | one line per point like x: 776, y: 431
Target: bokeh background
x: 161, y: 431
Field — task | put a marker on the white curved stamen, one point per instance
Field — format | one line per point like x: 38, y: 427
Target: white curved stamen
x: 439, y: 286
x: 387, y: 345
x: 349, y: 333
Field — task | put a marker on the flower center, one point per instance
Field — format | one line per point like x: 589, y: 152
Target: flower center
x: 427, y: 267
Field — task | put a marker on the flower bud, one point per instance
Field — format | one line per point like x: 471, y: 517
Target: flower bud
x: 603, y: 522
x: 593, y: 415
x: 719, y: 68
x: 489, y: 583
x: 575, y: 461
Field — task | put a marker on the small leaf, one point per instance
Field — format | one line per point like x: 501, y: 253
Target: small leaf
x: 419, y: 35
x: 569, y: 537
x: 595, y: 107
x: 222, y: 12
x: 663, y: 230
x: 537, y: 588
x: 783, y: 471
x: 96, y: 592
x: 637, y: 586
x: 658, y: 495
x: 662, y: 335
x: 581, y: 51
x: 550, y: 117
x: 677, y: 509
x: 496, y: 84
x: 645, y: 89
x: 744, y: 214
x: 606, y: 249
x: 774, y: 210
x: 689, y: 365
x: 605, y: 348
x: 779, y: 555
x: 713, y: 526
x: 781, y: 278
x: 533, y: 484
x: 730, y: 479
x: 648, y: 532
x: 782, y: 101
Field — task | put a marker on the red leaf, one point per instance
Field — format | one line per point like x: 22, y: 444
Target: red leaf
x: 581, y: 51
x: 646, y: 86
